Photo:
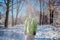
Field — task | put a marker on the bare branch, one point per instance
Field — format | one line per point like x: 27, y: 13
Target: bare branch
x: 20, y: 8
x: 5, y: 2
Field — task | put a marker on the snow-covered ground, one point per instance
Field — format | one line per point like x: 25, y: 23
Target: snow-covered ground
x: 47, y: 31
x: 17, y: 33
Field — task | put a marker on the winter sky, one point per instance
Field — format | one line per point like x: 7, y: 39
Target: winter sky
x: 24, y: 5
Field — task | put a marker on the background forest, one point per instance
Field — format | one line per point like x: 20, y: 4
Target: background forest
x: 13, y: 12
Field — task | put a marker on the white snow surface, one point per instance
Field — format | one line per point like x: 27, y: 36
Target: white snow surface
x: 43, y: 31
x: 47, y: 31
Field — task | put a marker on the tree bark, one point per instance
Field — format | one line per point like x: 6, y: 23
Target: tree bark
x: 7, y: 13
x: 40, y: 13
x: 12, y: 15
x: 17, y: 12
x: 51, y: 11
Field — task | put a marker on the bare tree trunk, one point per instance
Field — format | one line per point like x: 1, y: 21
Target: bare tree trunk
x: 7, y: 13
x: 51, y: 11
x: 12, y: 14
x: 16, y: 18
x: 40, y: 13
x: 18, y: 10
x: 17, y: 13
x: 29, y: 37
